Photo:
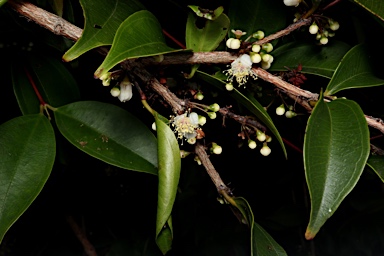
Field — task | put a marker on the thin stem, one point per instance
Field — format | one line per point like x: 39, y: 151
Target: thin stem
x: 32, y: 82
x: 88, y: 247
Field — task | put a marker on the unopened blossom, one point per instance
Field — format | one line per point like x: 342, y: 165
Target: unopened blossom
x: 240, y: 69
x: 292, y: 2
x: 185, y: 125
x: 125, y: 90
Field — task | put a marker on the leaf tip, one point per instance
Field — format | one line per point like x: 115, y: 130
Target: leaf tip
x: 309, y: 235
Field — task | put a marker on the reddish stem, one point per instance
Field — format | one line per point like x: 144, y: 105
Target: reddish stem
x: 174, y: 39
x: 30, y: 79
x: 292, y: 145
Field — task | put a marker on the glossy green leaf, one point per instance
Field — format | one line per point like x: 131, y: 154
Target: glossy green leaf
x: 53, y: 80
x: 315, y: 59
x: 102, y: 19
x: 27, y: 149
x: 261, y: 242
x: 247, y: 101
x: 109, y: 133
x: 336, y: 148
x: 2, y: 2
x: 376, y: 163
x: 145, y: 39
x: 354, y: 71
x: 205, y: 13
x: 169, y: 174
x: 253, y: 15
x: 372, y: 6
x: 207, y: 38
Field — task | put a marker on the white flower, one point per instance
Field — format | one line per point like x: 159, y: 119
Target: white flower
x: 292, y: 2
x: 125, y: 90
x: 241, y: 68
x: 185, y: 125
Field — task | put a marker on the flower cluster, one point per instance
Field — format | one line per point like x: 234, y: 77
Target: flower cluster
x: 328, y: 28
x: 241, y: 68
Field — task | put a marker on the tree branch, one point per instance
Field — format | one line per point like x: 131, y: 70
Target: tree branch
x: 62, y: 27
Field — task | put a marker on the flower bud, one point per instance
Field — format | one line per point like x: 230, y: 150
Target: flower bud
x: 265, y: 150
x: 229, y: 87
x: 255, y: 57
x: 260, y: 135
x: 216, y: 149
x: 211, y: 115
x: 199, y: 96
x: 292, y: 2
x: 154, y: 126
x: 233, y: 43
x: 268, y: 47
x: 252, y: 144
x: 334, y: 25
x: 323, y: 40
x: 202, y: 120
x: 290, y: 114
x: 256, y: 48
x: 214, y: 107
x: 115, y: 91
x: 280, y: 110
x: 313, y: 29
x: 258, y: 35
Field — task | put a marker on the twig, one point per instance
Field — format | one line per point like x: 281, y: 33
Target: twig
x: 213, y: 174
x: 88, y: 247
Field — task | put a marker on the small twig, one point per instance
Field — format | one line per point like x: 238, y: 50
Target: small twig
x: 88, y: 247
x: 284, y: 32
x: 242, y: 119
x: 213, y: 174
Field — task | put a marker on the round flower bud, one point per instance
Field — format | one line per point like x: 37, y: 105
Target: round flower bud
x: 202, y: 120
x: 199, y: 96
x: 211, y: 115
x: 216, y: 149
x: 265, y: 150
x: 229, y: 87
x: 324, y: 40
x: 266, y: 57
x: 256, y: 48
x: 115, y: 91
x: 258, y: 35
x: 292, y: 2
x: 269, y: 139
x: 280, y: 110
x: 255, y: 57
x: 268, y: 47
x: 154, y: 126
x: 290, y: 114
x: 313, y: 29
x: 233, y: 43
x: 252, y: 144
x: 260, y: 135
x: 334, y: 25
x: 265, y: 65
x: 214, y: 107
x: 318, y: 36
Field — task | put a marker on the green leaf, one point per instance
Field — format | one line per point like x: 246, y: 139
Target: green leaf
x: 315, y: 59
x: 169, y: 174
x: 102, y: 19
x: 205, y: 13
x: 53, y: 80
x: 140, y: 35
x: 336, y: 148
x: 374, y: 7
x: 3, y: 2
x: 261, y: 242
x: 27, y: 149
x: 253, y: 15
x: 110, y: 134
x: 377, y: 165
x: 249, y: 102
x: 354, y: 71
x: 207, y: 38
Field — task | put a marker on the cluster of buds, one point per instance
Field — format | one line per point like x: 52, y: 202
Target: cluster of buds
x: 326, y: 30
x: 280, y: 110
x: 261, y: 137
